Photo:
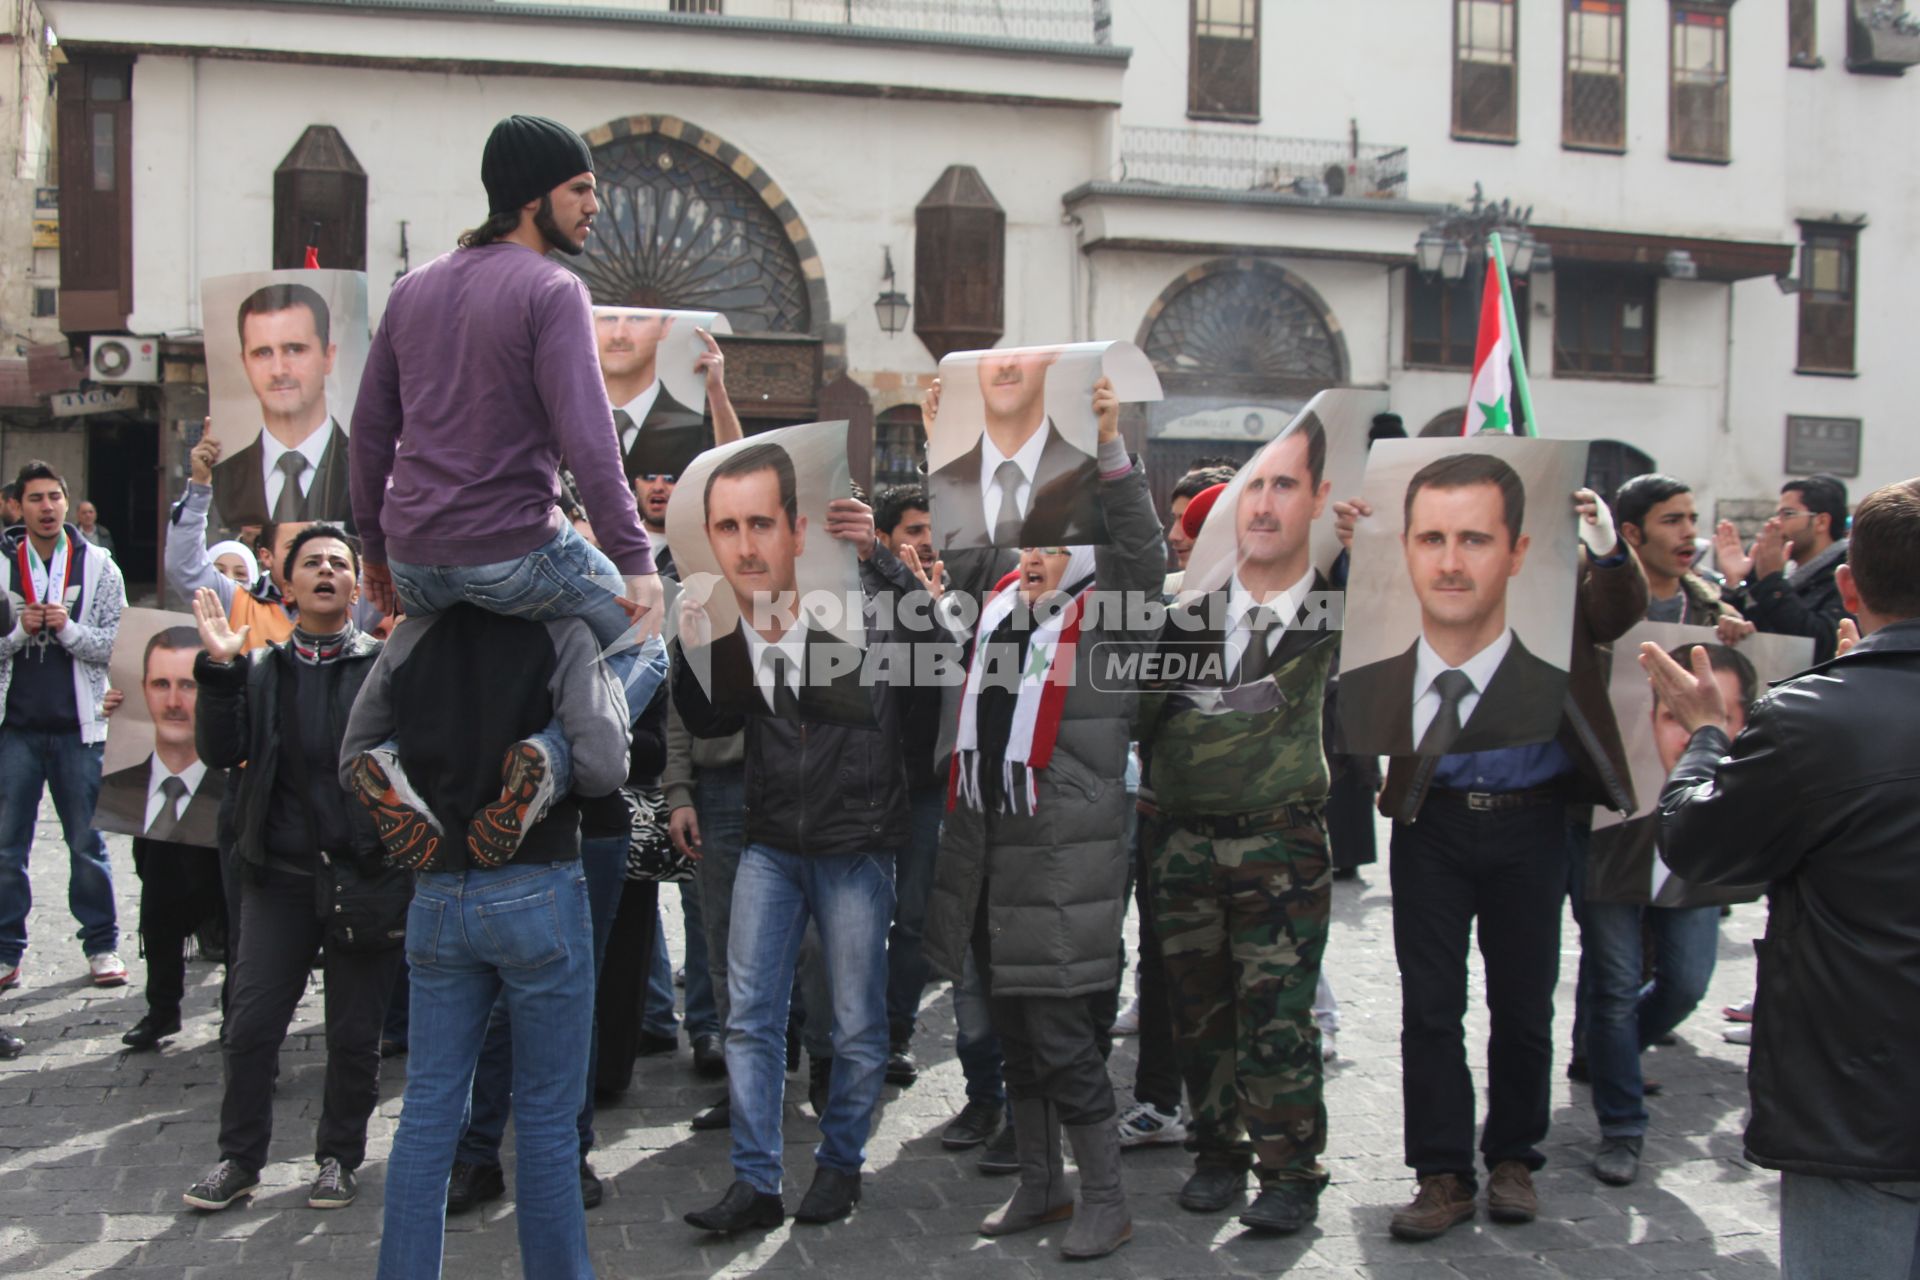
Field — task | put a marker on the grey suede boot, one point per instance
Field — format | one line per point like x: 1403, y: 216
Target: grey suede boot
x: 1101, y: 1222
x: 1042, y: 1195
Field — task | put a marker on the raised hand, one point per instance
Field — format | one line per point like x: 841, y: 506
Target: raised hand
x: 1728, y: 555
x: 712, y: 364
x: 203, y: 455
x: 851, y: 520
x: 1106, y: 409
x: 1849, y: 637
x: 1733, y: 628
x: 930, y: 406
x: 1348, y: 514
x: 930, y: 576
x: 1769, y: 550
x: 217, y: 636
x: 1693, y: 696
x: 1596, y: 524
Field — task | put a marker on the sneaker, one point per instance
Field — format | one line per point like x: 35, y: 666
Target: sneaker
x: 1145, y: 1125
x: 334, y: 1188
x: 108, y: 969
x: 1742, y: 1012
x: 1128, y: 1023
x: 977, y: 1122
x: 11, y: 978
x: 999, y: 1156
x: 526, y: 793
x: 1741, y: 1034
x: 228, y: 1182
x: 408, y: 830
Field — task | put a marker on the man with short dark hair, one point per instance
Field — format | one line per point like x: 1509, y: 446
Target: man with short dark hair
x: 65, y: 597
x: 1833, y: 832
x: 296, y: 468
x: 310, y: 869
x: 1188, y: 487
x: 1659, y: 520
x: 1810, y: 529
x: 10, y: 505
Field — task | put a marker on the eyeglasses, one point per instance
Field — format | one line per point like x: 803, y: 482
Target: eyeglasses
x: 1789, y: 513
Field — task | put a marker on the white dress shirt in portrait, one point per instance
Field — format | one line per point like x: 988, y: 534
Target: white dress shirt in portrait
x: 1479, y: 669
x: 311, y: 449
x: 157, y: 775
x: 1240, y: 603
x: 793, y: 644
x: 1027, y: 458
x: 637, y: 408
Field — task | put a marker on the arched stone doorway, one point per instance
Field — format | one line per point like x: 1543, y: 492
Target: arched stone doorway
x: 1239, y: 344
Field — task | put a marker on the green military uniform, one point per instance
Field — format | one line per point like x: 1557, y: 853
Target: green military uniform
x: 1242, y: 892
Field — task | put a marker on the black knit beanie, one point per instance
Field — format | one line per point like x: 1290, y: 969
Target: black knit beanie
x: 528, y: 156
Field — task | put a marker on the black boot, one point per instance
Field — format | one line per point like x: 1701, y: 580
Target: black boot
x: 741, y: 1209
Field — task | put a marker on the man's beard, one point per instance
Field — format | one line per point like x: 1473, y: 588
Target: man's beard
x: 551, y: 233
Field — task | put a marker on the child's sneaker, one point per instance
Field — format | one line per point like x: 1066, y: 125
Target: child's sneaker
x: 407, y: 828
x: 1145, y: 1125
x: 526, y: 793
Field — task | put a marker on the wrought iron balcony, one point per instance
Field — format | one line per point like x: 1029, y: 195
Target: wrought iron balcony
x: 1229, y: 160
x: 1049, y: 21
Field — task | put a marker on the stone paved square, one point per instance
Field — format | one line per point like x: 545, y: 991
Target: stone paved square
x: 97, y: 1144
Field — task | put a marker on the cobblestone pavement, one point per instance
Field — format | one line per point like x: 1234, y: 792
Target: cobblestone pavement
x: 96, y: 1146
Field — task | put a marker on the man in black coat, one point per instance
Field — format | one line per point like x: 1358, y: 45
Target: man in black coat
x: 1021, y: 484
x: 1820, y: 795
x: 1810, y: 528
x: 1464, y: 547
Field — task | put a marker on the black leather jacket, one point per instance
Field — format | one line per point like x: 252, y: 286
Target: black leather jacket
x: 812, y: 787
x: 1821, y: 797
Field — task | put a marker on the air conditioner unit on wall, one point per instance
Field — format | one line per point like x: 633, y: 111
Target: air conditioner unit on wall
x: 123, y: 359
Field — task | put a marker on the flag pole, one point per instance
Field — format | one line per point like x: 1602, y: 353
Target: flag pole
x: 1521, y: 387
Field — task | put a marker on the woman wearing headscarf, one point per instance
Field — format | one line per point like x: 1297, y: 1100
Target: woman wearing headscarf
x: 1032, y: 872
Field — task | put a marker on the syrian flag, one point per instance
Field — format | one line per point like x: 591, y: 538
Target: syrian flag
x: 1490, y: 406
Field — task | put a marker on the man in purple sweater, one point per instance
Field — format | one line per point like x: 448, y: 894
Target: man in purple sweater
x: 482, y: 382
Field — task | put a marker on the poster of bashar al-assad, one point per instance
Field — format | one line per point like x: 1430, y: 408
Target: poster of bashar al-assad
x: 152, y: 782
x: 772, y: 597
x: 1011, y: 457
x: 651, y: 362
x: 285, y: 350
x: 1624, y: 862
x: 1459, y: 611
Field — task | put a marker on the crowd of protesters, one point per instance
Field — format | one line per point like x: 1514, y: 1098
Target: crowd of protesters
x: 479, y: 875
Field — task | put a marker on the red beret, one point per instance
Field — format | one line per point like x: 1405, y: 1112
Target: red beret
x: 1196, y: 513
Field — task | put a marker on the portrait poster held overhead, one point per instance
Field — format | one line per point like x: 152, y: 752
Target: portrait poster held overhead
x: 649, y: 359
x: 285, y: 350
x: 1012, y: 457
x: 773, y: 600
x: 1624, y: 863
x: 1459, y: 610
x: 152, y: 782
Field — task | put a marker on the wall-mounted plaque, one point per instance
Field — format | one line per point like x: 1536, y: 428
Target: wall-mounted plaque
x: 1831, y: 445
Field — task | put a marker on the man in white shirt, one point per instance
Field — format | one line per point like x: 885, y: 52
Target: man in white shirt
x: 296, y: 469
x: 1021, y: 484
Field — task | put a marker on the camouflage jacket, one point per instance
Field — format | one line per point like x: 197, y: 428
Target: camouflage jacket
x: 1245, y: 750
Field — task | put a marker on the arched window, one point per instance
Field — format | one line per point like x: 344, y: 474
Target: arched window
x: 680, y: 228
x: 1243, y: 326
x: 1445, y: 424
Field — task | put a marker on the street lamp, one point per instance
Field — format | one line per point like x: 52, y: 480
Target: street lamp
x: 891, y: 307
x: 1458, y: 239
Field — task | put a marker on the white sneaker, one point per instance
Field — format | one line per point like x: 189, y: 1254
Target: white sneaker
x: 1327, y: 1051
x: 1739, y: 1033
x: 1128, y: 1023
x: 108, y: 969
x: 1145, y: 1125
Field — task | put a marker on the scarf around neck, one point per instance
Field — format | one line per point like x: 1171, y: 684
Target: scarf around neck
x: 318, y: 651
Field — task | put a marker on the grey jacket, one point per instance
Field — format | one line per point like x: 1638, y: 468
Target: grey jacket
x: 1055, y: 881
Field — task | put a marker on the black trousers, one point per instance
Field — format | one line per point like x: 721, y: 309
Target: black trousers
x: 180, y: 890
x: 279, y: 937
x: 620, y: 1002
x: 1508, y: 870
x: 1050, y: 1044
x: 1156, y: 1076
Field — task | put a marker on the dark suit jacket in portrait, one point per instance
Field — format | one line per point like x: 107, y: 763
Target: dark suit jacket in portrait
x: 841, y: 699
x: 240, y: 488
x: 122, y: 806
x: 668, y: 441
x: 1063, y: 506
x: 1202, y: 647
x: 1521, y: 705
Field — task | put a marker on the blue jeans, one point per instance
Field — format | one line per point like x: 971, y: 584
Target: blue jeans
x: 60, y: 763
x: 527, y: 932
x: 605, y: 863
x: 702, y: 1016
x: 906, y: 960
x: 555, y: 581
x: 1840, y: 1229
x: 850, y: 899
x: 720, y: 802
x: 1624, y: 1015
x: 974, y: 1041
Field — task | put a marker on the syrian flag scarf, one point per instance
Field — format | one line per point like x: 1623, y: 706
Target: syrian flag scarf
x: 44, y: 583
x: 1044, y: 681
x: 1490, y: 404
